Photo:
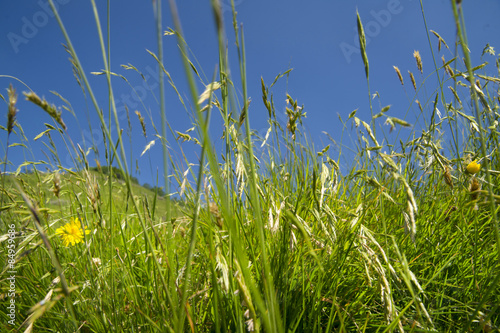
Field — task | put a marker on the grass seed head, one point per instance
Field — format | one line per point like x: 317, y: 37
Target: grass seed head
x: 413, y: 81
x: 419, y: 105
x: 11, y: 115
x: 49, y: 108
x: 455, y: 95
x: 416, y: 55
x: 143, y: 125
x: 474, y: 188
x: 399, y: 75
x: 57, y: 184
x: 447, y: 68
x: 92, y: 190
x: 447, y: 177
x: 214, y: 210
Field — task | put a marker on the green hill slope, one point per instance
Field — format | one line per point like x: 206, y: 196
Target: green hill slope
x: 56, y: 192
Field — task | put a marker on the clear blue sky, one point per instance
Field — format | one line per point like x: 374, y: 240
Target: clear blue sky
x: 315, y: 38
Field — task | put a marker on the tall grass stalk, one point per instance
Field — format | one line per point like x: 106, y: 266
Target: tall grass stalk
x: 161, y: 82
x: 460, y: 23
x: 121, y: 164
x: 474, y: 93
x: 392, y: 234
x: 441, y: 86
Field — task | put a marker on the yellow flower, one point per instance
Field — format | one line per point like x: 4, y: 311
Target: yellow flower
x: 473, y: 167
x: 72, y: 233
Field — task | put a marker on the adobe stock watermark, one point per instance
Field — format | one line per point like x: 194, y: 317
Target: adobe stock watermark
x: 131, y: 100
x: 10, y: 309
x: 31, y: 25
x: 373, y: 26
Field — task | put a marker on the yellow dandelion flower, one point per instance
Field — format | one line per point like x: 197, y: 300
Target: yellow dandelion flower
x: 473, y: 167
x: 72, y: 232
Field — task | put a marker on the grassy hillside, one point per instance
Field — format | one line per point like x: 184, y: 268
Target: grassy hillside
x: 56, y: 191
x: 406, y: 238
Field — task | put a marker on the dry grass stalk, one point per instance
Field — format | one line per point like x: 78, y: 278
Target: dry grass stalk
x: 440, y: 40
x: 419, y: 105
x: 98, y: 165
x: 93, y: 192
x: 50, y: 109
x: 399, y: 75
x: 474, y: 188
x: 143, y: 125
x: 455, y: 95
x: 11, y: 115
x: 413, y: 81
x: 57, y: 184
x: 214, y: 210
x: 416, y: 55
x: 447, y: 68
x: 374, y: 265
x: 447, y: 177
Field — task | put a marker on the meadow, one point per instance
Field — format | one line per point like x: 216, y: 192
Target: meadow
x: 404, y: 239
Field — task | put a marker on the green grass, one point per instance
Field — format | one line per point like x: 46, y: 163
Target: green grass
x: 290, y: 240
x: 42, y: 185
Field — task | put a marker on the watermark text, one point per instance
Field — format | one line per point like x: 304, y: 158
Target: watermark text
x: 11, y: 280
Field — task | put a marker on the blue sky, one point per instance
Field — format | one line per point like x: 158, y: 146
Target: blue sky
x: 315, y: 38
